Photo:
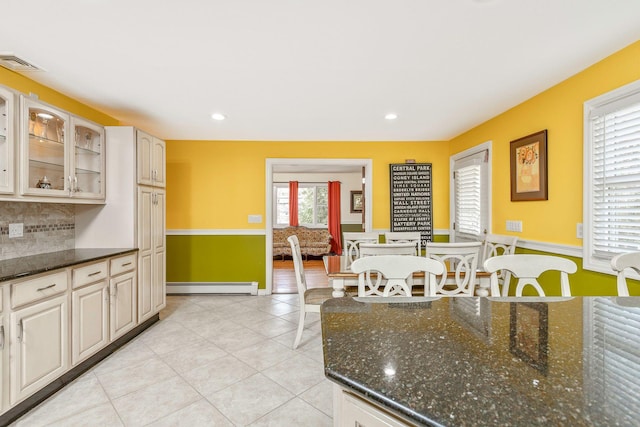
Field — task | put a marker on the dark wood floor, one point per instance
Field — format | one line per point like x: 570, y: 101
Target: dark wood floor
x: 284, y: 280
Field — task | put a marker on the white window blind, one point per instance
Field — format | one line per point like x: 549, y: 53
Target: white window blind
x: 468, y: 205
x: 612, y: 177
x: 612, y: 358
x: 470, y: 194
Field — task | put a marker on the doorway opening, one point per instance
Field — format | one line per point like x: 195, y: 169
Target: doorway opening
x: 312, y: 169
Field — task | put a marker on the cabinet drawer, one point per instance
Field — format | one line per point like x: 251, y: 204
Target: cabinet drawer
x: 89, y: 274
x: 123, y: 264
x: 38, y: 288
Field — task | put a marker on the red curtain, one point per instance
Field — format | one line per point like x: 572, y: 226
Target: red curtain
x: 293, y: 203
x: 334, y: 216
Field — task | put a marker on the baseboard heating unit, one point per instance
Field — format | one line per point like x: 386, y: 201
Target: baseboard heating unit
x: 212, y: 288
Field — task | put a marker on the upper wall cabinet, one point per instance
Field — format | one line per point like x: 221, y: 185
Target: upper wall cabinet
x: 151, y: 160
x: 7, y: 141
x: 88, y: 160
x: 62, y: 156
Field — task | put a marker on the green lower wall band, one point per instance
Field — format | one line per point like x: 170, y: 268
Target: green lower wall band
x: 241, y: 258
x: 218, y: 258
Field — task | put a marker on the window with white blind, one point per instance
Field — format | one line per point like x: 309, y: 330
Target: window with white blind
x: 470, y: 195
x: 611, y: 176
x: 611, y: 359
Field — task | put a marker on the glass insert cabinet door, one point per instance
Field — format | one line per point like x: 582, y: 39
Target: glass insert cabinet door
x: 87, y: 159
x: 7, y: 141
x: 44, y: 152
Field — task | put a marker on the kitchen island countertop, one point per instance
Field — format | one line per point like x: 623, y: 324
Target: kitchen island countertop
x: 490, y: 361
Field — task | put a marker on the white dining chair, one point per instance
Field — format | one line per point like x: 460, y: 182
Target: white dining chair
x: 405, y: 237
x: 461, y: 259
x: 310, y: 299
x: 389, y: 275
x: 368, y: 249
x: 527, y: 268
x: 496, y: 245
x: 622, y: 262
x: 352, y: 241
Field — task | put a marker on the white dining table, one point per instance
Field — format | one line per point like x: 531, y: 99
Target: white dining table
x: 338, y: 268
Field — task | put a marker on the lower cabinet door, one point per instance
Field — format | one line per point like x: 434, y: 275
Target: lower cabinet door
x: 90, y: 320
x: 39, y: 349
x: 123, y: 313
x: 356, y: 412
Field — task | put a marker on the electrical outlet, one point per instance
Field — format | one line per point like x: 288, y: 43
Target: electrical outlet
x: 16, y: 230
x: 579, y: 230
x: 255, y: 219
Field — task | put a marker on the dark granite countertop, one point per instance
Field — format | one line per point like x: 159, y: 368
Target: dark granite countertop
x: 34, y: 264
x: 483, y: 361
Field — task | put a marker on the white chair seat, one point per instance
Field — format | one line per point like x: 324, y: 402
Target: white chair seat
x: 526, y: 268
x: 353, y: 240
x: 316, y: 296
x: 368, y: 249
x: 392, y: 274
x: 413, y: 237
x: 622, y: 262
x: 310, y: 299
x: 459, y: 258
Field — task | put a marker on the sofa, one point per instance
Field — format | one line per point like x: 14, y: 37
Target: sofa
x: 313, y: 241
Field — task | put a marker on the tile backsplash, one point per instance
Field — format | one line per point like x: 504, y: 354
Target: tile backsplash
x: 48, y: 227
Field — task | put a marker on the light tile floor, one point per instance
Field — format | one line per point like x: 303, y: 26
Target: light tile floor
x: 212, y: 360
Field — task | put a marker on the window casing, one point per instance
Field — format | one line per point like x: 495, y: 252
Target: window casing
x: 611, y: 211
x: 313, y: 208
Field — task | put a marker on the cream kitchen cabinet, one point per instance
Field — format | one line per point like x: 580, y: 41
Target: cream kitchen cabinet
x: 151, y: 154
x: 55, y: 164
x: 123, y: 292
x: 134, y: 214
x: 39, y: 337
x: 350, y: 410
x: 152, y: 254
x: 7, y: 141
x: 87, y: 160
x: 89, y: 310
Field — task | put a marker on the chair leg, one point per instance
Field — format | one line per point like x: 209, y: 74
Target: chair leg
x: 303, y: 314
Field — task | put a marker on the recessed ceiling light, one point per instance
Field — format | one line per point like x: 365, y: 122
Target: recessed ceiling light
x: 218, y: 116
x: 391, y: 116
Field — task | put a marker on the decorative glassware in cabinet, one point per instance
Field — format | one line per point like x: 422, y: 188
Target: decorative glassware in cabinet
x: 88, y: 159
x: 7, y: 120
x: 46, y: 153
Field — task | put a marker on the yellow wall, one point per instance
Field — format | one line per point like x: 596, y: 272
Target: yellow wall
x: 216, y: 184
x: 24, y: 85
x: 560, y: 111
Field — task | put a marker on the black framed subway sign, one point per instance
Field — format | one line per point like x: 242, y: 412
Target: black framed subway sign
x: 411, y: 198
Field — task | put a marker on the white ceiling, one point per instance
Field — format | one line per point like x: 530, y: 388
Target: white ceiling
x: 311, y: 70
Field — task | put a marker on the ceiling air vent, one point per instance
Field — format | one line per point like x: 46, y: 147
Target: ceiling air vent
x: 12, y: 62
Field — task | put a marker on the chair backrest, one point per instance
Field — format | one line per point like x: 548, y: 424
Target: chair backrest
x: 352, y: 241
x: 526, y: 268
x: 620, y: 263
x: 461, y: 259
x: 368, y: 249
x: 298, y: 267
x: 405, y: 237
x: 496, y: 245
x: 392, y: 273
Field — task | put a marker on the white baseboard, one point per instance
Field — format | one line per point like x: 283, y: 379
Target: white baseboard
x: 212, y: 288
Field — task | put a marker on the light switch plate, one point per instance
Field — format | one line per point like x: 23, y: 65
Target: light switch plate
x: 16, y: 230
x: 579, y: 230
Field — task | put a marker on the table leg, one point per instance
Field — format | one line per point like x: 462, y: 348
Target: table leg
x: 338, y: 287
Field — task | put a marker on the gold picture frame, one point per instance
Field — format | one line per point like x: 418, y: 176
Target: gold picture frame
x: 356, y: 201
x: 529, y: 167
